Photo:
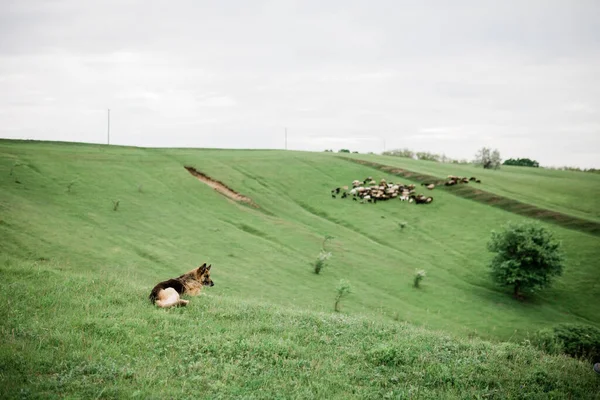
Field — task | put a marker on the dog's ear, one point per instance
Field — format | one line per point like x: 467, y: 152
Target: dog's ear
x: 202, y: 267
x: 208, y: 268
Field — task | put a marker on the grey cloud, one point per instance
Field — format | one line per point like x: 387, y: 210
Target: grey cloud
x: 439, y: 76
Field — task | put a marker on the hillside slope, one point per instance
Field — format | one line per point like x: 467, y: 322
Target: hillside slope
x: 168, y: 221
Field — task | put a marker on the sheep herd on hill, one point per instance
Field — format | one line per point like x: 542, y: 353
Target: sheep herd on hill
x: 453, y: 180
x: 370, y: 191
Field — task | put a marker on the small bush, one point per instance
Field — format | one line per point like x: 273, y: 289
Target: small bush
x: 545, y: 340
x: 419, y: 275
x: 402, y: 225
x: 321, y: 261
x: 343, y: 289
x: 70, y: 185
x: 575, y: 340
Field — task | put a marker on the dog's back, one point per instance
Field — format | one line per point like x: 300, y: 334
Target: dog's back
x: 167, y: 293
x: 171, y: 283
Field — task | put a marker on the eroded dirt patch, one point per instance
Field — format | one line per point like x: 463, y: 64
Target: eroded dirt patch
x: 220, y: 187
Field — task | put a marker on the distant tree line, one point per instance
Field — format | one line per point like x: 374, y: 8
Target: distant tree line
x: 567, y: 168
x: 423, y: 155
x: 485, y: 157
x: 522, y: 162
x: 341, y: 151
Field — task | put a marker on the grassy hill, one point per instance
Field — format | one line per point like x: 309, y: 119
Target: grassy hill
x: 82, y: 272
x: 570, y: 192
x: 91, y: 336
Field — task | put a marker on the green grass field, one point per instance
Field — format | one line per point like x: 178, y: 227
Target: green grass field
x: 76, y: 276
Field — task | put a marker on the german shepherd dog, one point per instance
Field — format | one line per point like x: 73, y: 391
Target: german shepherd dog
x: 166, y: 294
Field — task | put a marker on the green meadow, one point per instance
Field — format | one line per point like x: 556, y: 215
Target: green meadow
x: 76, y: 270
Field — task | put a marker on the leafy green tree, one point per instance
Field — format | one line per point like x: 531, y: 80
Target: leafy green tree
x: 343, y: 289
x: 527, y: 257
x: 522, y: 162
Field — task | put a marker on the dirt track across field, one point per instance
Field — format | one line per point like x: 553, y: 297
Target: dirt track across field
x: 220, y: 187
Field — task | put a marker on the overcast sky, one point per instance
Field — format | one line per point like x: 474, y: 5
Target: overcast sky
x: 442, y: 76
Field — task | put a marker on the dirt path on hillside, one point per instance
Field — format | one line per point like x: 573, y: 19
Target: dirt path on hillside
x: 221, y: 187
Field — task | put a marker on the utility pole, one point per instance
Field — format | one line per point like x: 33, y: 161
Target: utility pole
x: 286, y: 138
x: 108, y: 132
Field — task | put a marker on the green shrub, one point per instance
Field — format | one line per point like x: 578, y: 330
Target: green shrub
x: 70, y: 185
x: 321, y: 261
x: 545, y: 340
x: 527, y: 257
x: 575, y: 340
x: 419, y: 275
x: 343, y: 289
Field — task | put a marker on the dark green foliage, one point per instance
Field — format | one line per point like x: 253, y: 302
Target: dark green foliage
x: 321, y: 261
x: 527, y: 257
x: 575, y: 340
x: 419, y: 275
x: 344, y: 151
x: 522, y: 162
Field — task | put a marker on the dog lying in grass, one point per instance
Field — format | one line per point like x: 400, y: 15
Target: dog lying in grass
x: 166, y: 294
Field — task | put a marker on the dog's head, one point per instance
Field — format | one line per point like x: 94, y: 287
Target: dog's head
x: 204, y: 275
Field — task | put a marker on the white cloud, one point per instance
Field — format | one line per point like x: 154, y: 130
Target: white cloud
x: 217, y: 101
x: 433, y: 76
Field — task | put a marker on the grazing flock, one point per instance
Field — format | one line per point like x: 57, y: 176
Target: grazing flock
x: 370, y: 191
x: 453, y: 180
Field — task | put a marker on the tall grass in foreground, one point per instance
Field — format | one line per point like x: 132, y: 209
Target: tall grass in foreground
x: 78, y: 336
